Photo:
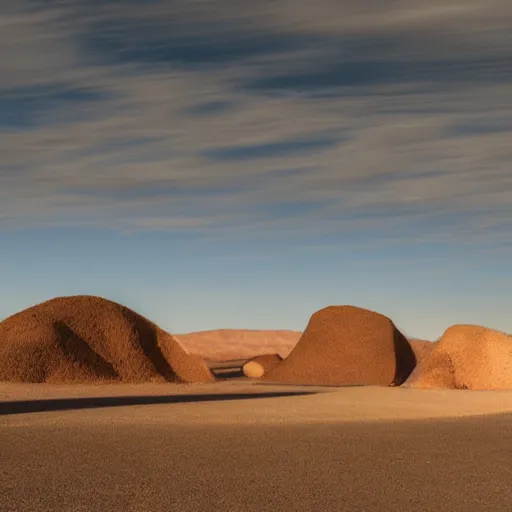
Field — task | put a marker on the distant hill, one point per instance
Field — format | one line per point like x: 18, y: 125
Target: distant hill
x: 224, y: 344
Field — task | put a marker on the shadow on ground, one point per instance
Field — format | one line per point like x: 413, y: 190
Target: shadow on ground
x: 63, y: 404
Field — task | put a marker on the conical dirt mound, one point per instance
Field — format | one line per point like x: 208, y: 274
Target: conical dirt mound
x: 90, y: 339
x: 467, y: 357
x: 345, y: 345
x: 260, y: 365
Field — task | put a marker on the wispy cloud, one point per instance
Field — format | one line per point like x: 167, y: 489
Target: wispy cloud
x: 27, y: 107
x: 283, y: 148
x: 267, y: 118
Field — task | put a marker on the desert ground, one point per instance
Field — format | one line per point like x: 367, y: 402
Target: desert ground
x: 240, y: 445
x: 101, y: 409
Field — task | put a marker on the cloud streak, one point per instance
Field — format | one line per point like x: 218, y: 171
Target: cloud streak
x: 279, y: 120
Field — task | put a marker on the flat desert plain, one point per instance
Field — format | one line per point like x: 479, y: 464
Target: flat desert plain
x: 253, y: 446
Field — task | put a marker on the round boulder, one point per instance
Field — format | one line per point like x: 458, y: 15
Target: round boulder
x: 259, y: 365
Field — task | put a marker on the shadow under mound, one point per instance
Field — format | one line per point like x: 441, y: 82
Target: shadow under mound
x: 230, y: 374
x: 65, y: 404
x: 229, y: 369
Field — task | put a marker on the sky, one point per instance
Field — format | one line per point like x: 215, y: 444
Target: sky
x: 227, y: 164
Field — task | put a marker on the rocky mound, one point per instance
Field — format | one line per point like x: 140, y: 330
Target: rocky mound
x: 88, y: 339
x: 345, y: 345
x: 259, y: 365
x: 467, y: 357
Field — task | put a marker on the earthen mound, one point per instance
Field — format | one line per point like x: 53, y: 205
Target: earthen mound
x: 259, y: 365
x: 467, y: 357
x: 90, y: 339
x: 421, y: 348
x: 345, y: 345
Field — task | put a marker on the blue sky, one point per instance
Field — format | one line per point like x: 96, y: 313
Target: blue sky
x: 235, y: 164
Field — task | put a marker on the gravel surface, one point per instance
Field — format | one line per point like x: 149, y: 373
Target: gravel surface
x: 208, y: 456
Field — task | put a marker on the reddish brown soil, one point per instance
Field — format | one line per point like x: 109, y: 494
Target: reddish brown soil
x: 90, y: 339
x: 345, y: 345
x: 467, y: 357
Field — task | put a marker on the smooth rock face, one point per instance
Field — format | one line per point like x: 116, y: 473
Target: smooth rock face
x: 467, y: 357
x: 259, y: 365
x: 347, y: 345
x: 91, y: 339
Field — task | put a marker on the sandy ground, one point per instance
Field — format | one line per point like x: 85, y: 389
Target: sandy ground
x: 245, y: 446
x: 239, y: 401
